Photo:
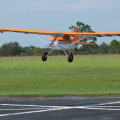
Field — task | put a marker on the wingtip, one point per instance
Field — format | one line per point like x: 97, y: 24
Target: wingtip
x: 0, y: 30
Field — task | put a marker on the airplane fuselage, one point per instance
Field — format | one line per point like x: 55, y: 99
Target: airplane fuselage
x: 61, y: 41
x: 60, y: 45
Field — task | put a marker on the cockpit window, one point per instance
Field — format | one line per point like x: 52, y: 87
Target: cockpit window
x: 58, y: 35
x: 67, y: 38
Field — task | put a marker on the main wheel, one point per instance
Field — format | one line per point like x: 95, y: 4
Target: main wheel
x: 70, y: 57
x: 44, y: 56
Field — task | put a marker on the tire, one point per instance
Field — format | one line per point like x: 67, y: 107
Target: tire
x: 44, y: 56
x: 70, y: 57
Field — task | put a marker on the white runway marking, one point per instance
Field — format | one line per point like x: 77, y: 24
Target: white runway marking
x: 30, y: 112
x: 41, y: 108
x: 29, y: 105
x: 21, y: 109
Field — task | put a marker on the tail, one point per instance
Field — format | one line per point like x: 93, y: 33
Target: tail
x: 75, y: 38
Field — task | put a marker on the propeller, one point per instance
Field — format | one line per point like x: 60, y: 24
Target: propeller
x: 52, y: 41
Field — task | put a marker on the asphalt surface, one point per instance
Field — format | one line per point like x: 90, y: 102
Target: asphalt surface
x: 60, y: 108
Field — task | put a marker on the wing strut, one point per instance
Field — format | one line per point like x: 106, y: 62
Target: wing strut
x: 46, y: 43
x: 41, y: 39
x: 75, y: 42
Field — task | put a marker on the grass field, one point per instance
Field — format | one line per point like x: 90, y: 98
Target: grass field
x: 87, y: 75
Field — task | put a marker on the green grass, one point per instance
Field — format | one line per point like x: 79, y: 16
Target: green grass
x: 87, y: 75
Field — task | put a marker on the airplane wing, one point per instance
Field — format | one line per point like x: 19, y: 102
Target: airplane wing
x: 26, y: 31
x: 92, y: 34
x: 71, y: 34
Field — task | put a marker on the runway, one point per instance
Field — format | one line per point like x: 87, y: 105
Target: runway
x: 57, y: 108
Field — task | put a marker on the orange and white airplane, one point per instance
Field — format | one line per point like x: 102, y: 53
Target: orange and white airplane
x: 62, y: 40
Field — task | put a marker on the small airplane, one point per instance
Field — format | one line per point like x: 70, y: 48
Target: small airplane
x: 62, y: 40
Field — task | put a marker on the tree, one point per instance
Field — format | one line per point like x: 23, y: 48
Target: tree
x: 32, y: 48
x: 11, y: 49
x: 27, y: 51
x: 103, y: 48
x: 37, y: 51
x: 84, y: 28
x: 114, y: 46
x: 0, y: 52
x: 15, y: 48
x: 119, y: 52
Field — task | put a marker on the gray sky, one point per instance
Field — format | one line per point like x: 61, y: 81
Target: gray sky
x: 57, y: 15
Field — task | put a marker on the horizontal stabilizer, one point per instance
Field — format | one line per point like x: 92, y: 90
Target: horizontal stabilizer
x: 85, y: 43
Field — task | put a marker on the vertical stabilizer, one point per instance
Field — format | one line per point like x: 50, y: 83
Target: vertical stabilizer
x: 75, y: 38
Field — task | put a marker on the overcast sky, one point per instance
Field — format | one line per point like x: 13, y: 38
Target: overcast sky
x: 57, y: 15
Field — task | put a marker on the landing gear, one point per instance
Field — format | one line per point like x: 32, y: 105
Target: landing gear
x: 60, y: 47
x: 44, y: 56
x: 70, y: 57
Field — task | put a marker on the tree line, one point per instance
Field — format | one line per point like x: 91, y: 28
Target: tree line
x: 112, y: 48
x: 14, y: 49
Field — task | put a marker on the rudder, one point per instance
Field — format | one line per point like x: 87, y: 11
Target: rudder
x: 75, y: 38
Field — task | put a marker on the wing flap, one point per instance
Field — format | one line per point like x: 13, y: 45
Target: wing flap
x: 85, y: 43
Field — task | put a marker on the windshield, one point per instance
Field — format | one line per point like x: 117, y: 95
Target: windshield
x: 58, y: 35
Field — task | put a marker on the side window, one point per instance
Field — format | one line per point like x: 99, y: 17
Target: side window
x: 67, y: 38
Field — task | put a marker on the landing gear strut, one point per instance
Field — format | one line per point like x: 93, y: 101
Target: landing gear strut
x: 70, y: 56
x: 45, y: 54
